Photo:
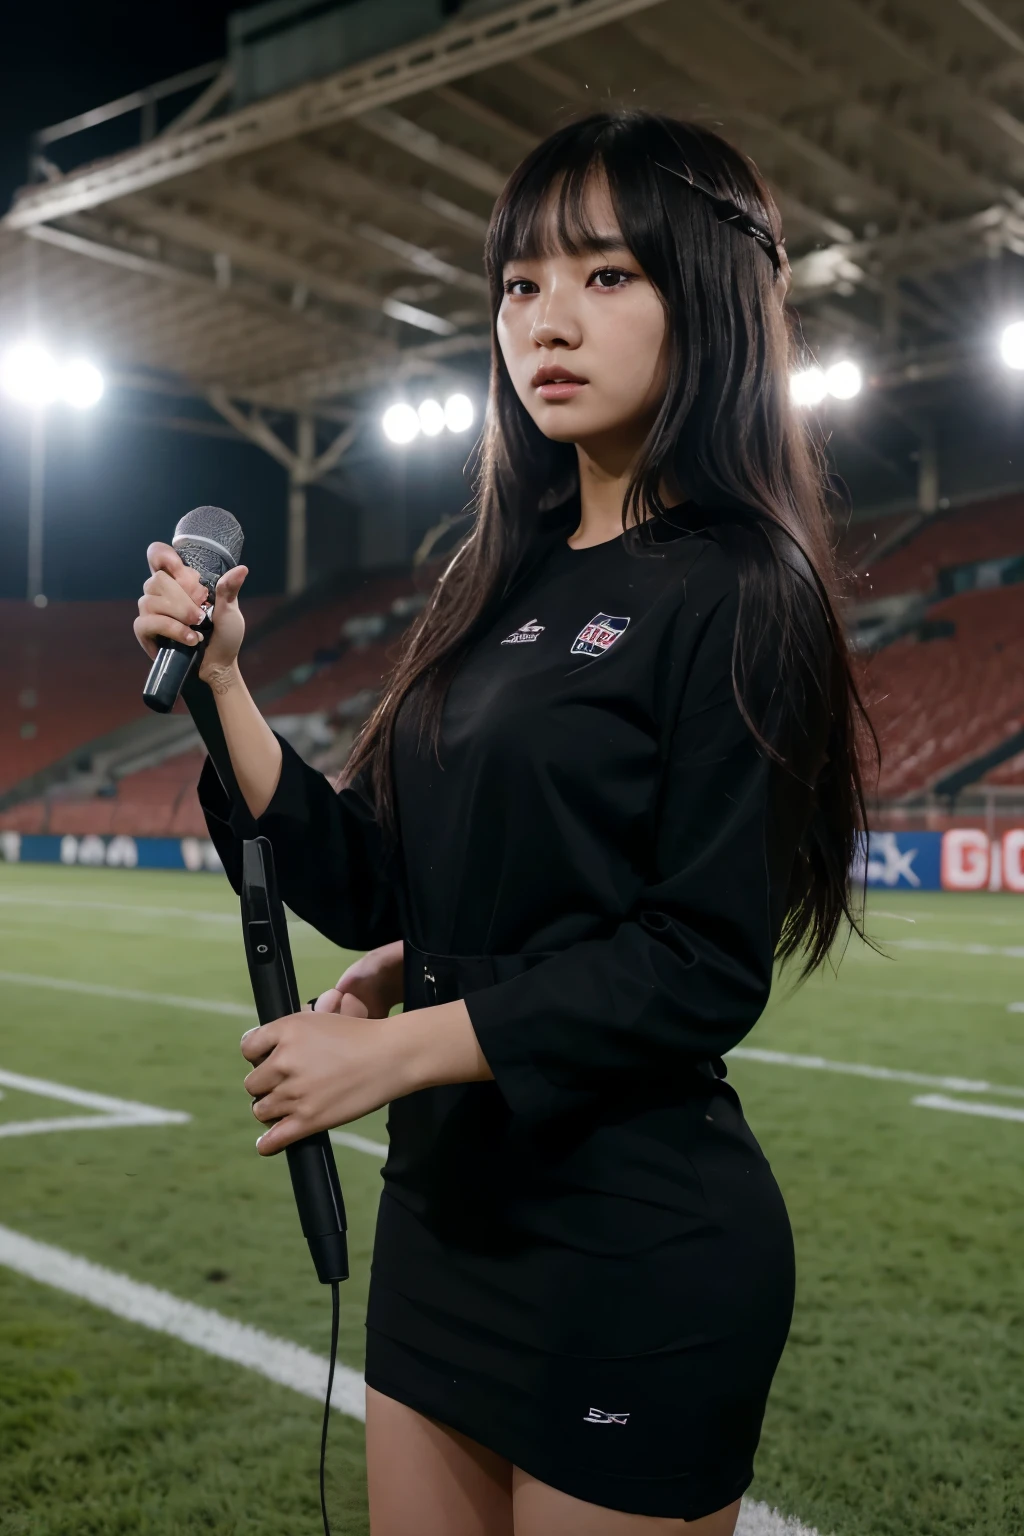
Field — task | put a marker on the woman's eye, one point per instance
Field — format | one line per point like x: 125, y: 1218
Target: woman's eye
x: 519, y: 286
x: 611, y: 277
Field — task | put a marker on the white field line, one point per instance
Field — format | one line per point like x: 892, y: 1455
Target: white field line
x: 943, y: 947
x: 861, y: 1069
x: 127, y: 994
x: 111, y: 1112
x: 958, y: 1106
x: 954, y: 999
x: 758, y: 1519
x: 134, y: 907
x: 277, y: 1359
x: 360, y: 1143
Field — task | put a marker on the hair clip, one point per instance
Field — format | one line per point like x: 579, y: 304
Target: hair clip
x: 727, y: 212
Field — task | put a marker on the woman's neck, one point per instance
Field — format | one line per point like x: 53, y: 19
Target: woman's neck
x: 604, y: 481
x: 604, y: 484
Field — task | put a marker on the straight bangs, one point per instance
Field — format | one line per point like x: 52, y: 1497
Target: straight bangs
x: 652, y: 167
x: 547, y: 215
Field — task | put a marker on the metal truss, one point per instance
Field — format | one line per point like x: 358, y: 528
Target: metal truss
x: 459, y: 49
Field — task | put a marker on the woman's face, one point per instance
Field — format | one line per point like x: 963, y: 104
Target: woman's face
x: 584, y: 338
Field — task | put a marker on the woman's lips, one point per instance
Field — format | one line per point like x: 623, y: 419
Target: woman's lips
x: 560, y: 389
x: 553, y: 381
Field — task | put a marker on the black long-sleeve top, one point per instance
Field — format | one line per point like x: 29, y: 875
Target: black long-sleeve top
x: 596, y: 795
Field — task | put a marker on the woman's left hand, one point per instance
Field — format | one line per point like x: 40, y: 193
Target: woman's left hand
x: 319, y: 1070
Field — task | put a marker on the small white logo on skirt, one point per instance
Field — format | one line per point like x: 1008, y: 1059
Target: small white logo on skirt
x: 598, y: 1416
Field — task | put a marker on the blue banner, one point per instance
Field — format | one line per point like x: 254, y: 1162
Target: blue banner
x: 905, y: 861
x: 118, y: 852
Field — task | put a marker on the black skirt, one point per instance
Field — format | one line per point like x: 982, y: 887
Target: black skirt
x: 613, y: 1334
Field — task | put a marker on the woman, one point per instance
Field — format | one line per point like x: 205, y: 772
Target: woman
x: 611, y: 778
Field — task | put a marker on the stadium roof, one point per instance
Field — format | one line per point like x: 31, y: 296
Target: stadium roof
x: 299, y: 249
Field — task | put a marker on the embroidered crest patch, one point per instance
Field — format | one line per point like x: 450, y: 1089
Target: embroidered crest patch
x: 602, y: 631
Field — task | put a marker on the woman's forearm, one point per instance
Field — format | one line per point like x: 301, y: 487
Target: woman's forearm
x: 254, y: 750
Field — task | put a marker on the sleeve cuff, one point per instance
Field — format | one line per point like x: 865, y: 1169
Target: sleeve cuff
x: 522, y: 1085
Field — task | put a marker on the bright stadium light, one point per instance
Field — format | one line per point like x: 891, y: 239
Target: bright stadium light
x: 458, y: 413
x: 29, y: 375
x: 1011, y: 345
x: 844, y: 380
x: 401, y: 423
x: 808, y: 387
x: 81, y: 384
x: 431, y: 415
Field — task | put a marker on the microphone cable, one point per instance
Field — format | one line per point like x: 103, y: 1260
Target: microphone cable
x: 335, y: 1318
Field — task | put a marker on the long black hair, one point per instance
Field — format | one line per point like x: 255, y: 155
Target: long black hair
x: 704, y: 227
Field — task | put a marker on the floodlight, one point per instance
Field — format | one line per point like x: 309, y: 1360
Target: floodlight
x: 808, y: 387
x: 29, y: 374
x: 458, y: 413
x: 401, y: 423
x: 844, y: 380
x: 1011, y: 345
x: 81, y: 383
x: 431, y: 415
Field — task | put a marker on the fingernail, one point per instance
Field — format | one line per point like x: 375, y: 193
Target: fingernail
x: 249, y: 1032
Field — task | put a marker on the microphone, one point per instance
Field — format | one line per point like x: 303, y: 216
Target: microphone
x: 210, y: 541
x: 311, y: 1162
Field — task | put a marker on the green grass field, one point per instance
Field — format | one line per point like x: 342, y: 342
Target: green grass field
x: 899, y: 1406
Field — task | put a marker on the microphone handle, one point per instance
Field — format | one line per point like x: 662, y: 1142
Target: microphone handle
x: 314, y: 1173
x: 171, y: 666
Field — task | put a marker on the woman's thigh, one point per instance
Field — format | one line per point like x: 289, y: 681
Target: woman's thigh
x: 425, y: 1478
x: 540, y: 1510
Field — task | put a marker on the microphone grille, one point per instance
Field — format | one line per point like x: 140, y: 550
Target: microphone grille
x: 213, y: 524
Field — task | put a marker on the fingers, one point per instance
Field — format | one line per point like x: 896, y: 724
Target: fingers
x: 264, y: 1078
x: 149, y: 631
x: 167, y: 564
x: 167, y: 611
x: 257, y: 1043
x: 164, y: 557
x: 347, y: 1003
x: 162, y: 594
x: 280, y: 1136
x: 230, y: 584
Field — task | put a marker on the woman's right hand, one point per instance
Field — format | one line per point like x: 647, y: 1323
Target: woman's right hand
x: 172, y: 602
x: 370, y: 988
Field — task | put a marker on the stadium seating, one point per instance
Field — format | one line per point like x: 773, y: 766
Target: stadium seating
x: 857, y: 543
x: 938, y: 703
x: 311, y: 664
x: 987, y: 531
x: 72, y: 672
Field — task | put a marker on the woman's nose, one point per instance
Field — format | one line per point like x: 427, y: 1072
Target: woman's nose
x: 555, y: 329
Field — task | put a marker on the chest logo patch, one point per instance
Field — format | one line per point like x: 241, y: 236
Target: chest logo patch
x: 599, y: 635
x: 531, y: 630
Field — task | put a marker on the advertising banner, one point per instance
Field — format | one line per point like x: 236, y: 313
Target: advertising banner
x: 962, y: 859
x: 119, y: 852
